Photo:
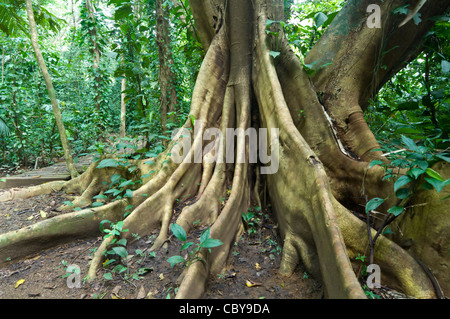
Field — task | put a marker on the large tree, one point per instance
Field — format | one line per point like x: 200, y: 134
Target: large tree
x: 250, y: 78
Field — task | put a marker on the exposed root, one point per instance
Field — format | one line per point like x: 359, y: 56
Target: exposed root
x: 98, y: 258
x: 391, y: 258
x: 56, y: 230
x: 182, y: 179
x: 23, y: 193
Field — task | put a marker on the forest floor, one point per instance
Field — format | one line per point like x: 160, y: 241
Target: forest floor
x: 251, y: 272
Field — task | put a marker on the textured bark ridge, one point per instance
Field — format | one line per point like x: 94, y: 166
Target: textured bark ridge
x: 322, y: 158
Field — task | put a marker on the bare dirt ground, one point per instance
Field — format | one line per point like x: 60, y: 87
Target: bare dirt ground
x: 251, y: 272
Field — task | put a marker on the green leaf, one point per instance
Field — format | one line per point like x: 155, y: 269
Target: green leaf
x: 410, y: 144
x: 178, y: 232
x: 175, y: 260
x: 186, y: 245
x: 407, y: 106
x: 114, y: 191
x: 387, y: 231
x: 119, y: 268
x: 122, y: 242
x: 416, y: 172
x: 437, y: 184
x: 375, y: 162
x: 108, y: 262
x: 310, y: 65
x: 402, y: 181
x: 97, y: 204
x: 100, y: 197
x: 126, y: 183
x: 119, y: 225
x: 108, y: 276
x: 68, y: 203
x: 422, y: 164
x: 403, y: 193
x: 128, y: 193
x: 373, y: 204
x: 211, y: 243
x: 109, y: 162
x: 269, y: 22
x: 427, y: 185
x: 274, y: 54
x: 320, y: 18
x: 432, y: 173
x: 396, y: 210
x: 443, y: 157
x: 103, y: 222
x: 445, y: 65
x: 121, y: 251
x: 115, y: 178
x: 122, y: 12
x: 192, y: 119
x: 205, y: 235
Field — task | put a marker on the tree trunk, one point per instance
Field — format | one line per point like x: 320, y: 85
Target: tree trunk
x: 95, y: 51
x: 168, y: 98
x: 51, y: 91
x: 317, y: 173
x: 123, y: 108
x: 3, y: 62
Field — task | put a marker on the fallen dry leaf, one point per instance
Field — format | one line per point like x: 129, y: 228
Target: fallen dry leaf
x: 251, y: 283
x: 115, y: 292
x: 43, y: 214
x: 19, y: 282
x: 141, y: 294
x: 115, y: 296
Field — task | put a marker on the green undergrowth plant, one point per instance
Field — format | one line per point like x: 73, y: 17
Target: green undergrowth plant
x: 118, y: 250
x: 253, y: 220
x: 120, y: 186
x: 193, y: 255
x: 416, y: 161
x: 363, y: 272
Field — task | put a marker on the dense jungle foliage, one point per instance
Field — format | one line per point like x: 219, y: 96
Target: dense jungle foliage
x: 415, y: 103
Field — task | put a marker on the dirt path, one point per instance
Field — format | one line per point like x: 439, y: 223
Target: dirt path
x: 252, y: 271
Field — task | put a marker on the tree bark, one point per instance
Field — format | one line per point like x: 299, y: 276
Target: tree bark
x: 95, y: 51
x: 123, y: 108
x: 51, y: 91
x: 168, y: 94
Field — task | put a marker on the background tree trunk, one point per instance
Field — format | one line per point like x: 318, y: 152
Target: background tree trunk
x: 123, y: 108
x: 51, y: 91
x: 95, y: 51
x: 168, y: 98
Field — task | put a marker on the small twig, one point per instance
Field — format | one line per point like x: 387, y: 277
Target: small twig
x: 369, y: 234
x: 393, y: 152
x: 76, y: 257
